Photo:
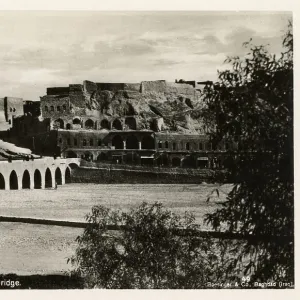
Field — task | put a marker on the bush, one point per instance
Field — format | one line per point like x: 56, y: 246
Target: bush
x: 146, y: 253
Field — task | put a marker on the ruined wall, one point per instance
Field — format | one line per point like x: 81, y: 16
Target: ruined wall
x: 76, y: 95
x: 113, y: 87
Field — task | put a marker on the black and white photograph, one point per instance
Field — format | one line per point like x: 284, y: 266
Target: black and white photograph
x: 146, y: 150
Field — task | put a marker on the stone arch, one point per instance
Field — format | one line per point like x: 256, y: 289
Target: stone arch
x: 176, y: 162
x: 117, y: 124
x: 102, y: 156
x: 148, y: 142
x: 117, y: 142
x: 59, y: 123
x: 37, y: 179
x: 2, y: 182
x: 104, y: 124
x: 68, y: 126
x: 13, y: 180
x: 68, y: 175
x: 48, y: 179
x: 131, y: 123
x: 73, y: 166
x: 58, y: 176
x: 76, y: 121
x: 89, y: 124
x: 132, y: 142
x: 71, y: 154
x: 26, y: 180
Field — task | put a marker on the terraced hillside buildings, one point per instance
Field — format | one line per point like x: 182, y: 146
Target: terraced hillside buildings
x: 153, y: 122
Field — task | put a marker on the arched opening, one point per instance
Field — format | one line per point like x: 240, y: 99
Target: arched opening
x: 59, y: 123
x: 162, y: 160
x: 117, y: 124
x: 48, y: 179
x: 68, y: 126
x: 102, y: 156
x: 176, y: 162
x: 71, y: 154
x: 89, y: 124
x: 76, y: 121
x: 131, y: 123
x: 26, y: 180
x: 187, y: 146
x: 148, y: 142
x: 68, y: 175
x: 58, y: 176
x: 132, y: 142
x: 2, y: 182
x: 37, y: 179
x: 117, y: 142
x: 104, y: 124
x: 13, y: 180
x: 72, y: 166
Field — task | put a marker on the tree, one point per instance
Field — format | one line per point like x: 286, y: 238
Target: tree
x: 253, y: 109
x: 145, y: 252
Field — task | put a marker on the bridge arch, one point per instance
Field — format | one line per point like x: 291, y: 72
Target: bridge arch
x: 13, y: 180
x: 48, y: 179
x: 2, y: 182
x: 26, y: 180
x: 58, y: 176
x: 68, y: 175
x: 37, y: 179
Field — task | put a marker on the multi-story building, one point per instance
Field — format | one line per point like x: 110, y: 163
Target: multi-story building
x: 118, y: 122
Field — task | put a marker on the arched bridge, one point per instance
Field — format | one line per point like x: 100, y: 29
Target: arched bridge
x: 40, y: 173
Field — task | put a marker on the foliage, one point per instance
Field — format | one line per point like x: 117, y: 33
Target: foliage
x: 253, y: 109
x: 147, y: 253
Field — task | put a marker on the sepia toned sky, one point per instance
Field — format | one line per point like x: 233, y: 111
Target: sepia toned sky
x: 42, y: 49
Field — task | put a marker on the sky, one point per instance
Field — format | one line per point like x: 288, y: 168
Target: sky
x: 41, y: 49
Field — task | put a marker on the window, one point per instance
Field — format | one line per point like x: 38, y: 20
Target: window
x: 9, y: 121
x: 200, y: 146
x: 58, y: 108
x: 52, y: 108
x: 10, y: 109
x: 46, y: 108
x: 99, y: 142
x: 159, y: 144
x: 68, y: 141
x: 187, y: 146
x: 166, y: 144
x: 14, y: 109
x: 91, y: 142
x: 75, y: 142
x: 84, y: 142
x: 174, y: 146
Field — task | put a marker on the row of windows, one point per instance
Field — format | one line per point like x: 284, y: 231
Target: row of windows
x: 12, y: 109
x: 58, y: 108
x: 85, y: 142
x: 187, y: 146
